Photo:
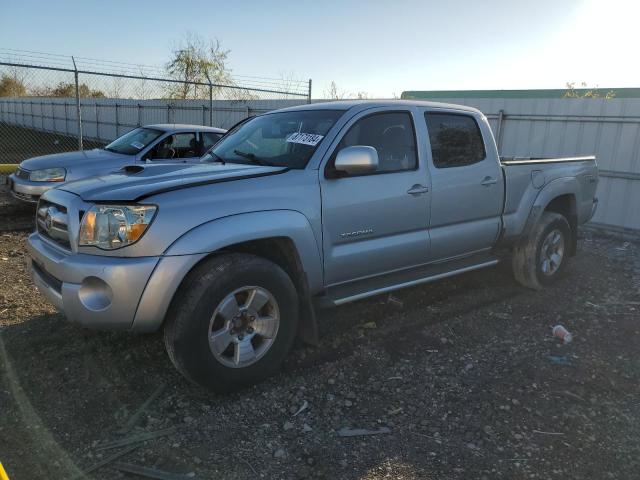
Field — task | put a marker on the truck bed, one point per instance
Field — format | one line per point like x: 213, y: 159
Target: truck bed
x: 526, y: 177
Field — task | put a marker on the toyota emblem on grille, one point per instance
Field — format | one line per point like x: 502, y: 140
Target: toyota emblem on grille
x: 48, y: 219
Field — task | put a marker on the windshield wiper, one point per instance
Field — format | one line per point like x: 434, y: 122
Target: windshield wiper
x: 110, y: 150
x: 253, y: 158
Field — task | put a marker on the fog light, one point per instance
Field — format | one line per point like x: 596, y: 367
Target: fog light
x: 95, y: 294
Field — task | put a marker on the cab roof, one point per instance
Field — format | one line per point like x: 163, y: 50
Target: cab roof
x: 181, y: 127
x: 363, y: 104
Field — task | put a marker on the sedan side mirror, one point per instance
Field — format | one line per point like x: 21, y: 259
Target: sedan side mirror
x: 357, y: 160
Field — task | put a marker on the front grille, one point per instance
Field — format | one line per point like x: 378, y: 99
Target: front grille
x: 51, y: 219
x: 25, y: 196
x: 23, y: 174
x: 52, y: 281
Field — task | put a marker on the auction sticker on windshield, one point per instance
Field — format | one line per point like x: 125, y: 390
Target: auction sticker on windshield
x: 305, y: 138
x: 137, y: 145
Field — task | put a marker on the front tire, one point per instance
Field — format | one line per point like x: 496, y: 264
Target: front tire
x: 542, y: 258
x: 233, y: 322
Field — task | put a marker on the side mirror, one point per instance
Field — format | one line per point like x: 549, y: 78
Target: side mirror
x: 357, y: 160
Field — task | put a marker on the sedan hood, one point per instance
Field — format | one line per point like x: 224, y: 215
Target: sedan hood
x: 71, y: 159
x: 135, y: 182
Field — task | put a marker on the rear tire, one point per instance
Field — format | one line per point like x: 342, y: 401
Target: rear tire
x: 233, y: 322
x: 542, y: 258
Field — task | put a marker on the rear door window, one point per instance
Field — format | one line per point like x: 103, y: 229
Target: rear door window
x: 455, y: 139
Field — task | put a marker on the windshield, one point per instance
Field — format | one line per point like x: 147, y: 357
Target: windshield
x: 134, y: 141
x: 281, y: 139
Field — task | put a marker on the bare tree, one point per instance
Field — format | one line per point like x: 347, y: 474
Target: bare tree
x: 289, y: 82
x: 334, y: 93
x: 117, y: 87
x: 142, y: 88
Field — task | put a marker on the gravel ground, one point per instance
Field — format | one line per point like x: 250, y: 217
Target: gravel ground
x: 464, y: 374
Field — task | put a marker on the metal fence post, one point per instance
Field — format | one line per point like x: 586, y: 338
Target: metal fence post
x: 117, y: 121
x: 78, y: 109
x: 53, y: 116
x: 204, y: 115
x: 168, y: 113
x: 499, y: 130
x: 139, y: 115
x: 210, y: 99
x: 309, y: 96
x: 97, y: 122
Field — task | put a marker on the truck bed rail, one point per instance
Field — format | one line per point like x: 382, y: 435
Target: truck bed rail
x: 530, y: 160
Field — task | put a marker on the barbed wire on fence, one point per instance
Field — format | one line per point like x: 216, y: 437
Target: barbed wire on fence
x: 82, y: 103
x: 285, y: 84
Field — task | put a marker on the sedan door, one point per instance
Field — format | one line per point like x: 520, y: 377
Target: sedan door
x: 177, y: 147
x: 376, y: 223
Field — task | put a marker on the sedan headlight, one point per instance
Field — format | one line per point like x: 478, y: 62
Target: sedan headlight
x: 115, y: 226
x: 48, y: 175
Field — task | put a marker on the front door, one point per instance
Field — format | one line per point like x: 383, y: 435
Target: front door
x: 377, y: 222
x: 179, y: 147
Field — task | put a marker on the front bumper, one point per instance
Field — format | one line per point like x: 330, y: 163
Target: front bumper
x: 104, y: 292
x: 95, y: 291
x: 28, y: 191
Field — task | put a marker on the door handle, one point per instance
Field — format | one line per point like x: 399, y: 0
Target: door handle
x: 488, y: 181
x: 418, y: 189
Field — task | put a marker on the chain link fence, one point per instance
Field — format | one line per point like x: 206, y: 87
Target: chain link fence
x: 52, y: 104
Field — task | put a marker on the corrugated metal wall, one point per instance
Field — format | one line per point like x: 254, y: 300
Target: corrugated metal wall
x: 610, y: 129
x: 107, y: 118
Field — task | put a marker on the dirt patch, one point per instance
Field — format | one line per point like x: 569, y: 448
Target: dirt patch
x: 464, y: 373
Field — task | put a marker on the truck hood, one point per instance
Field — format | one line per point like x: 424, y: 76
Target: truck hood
x: 72, y: 159
x: 135, y: 182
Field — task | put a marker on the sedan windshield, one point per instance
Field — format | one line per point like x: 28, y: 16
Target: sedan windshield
x: 133, y: 142
x: 285, y: 139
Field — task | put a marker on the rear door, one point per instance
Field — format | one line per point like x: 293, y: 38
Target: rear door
x: 376, y: 223
x: 467, y: 185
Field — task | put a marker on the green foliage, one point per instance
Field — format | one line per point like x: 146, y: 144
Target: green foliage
x: 197, y: 61
x: 12, y: 86
x: 68, y: 89
x: 585, y: 92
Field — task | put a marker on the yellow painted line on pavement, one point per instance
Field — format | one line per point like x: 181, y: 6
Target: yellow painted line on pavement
x: 8, y: 168
x: 3, y: 474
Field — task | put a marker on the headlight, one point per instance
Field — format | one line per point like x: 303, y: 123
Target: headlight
x: 115, y: 226
x: 48, y: 175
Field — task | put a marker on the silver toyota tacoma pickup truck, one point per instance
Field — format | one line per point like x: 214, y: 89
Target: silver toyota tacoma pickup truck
x: 312, y: 205
x: 152, y: 143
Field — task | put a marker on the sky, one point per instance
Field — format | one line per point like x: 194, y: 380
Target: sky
x: 378, y: 47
